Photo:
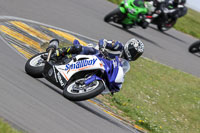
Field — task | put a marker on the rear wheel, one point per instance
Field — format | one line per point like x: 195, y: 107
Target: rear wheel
x: 78, y: 91
x: 166, y: 26
x: 35, y: 66
x: 195, y: 47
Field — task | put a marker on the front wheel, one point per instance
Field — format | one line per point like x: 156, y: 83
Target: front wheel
x: 78, y: 91
x: 113, y: 15
x: 35, y: 66
x: 195, y: 47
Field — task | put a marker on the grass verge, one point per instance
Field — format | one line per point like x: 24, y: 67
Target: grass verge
x: 189, y: 24
x: 6, y: 128
x: 158, y: 98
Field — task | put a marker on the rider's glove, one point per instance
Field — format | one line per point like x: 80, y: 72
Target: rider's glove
x: 102, y: 44
x: 58, y: 52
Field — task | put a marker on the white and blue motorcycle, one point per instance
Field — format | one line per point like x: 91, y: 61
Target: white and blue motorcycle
x: 80, y: 77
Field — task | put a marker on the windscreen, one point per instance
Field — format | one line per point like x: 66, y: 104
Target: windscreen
x: 124, y: 64
x: 139, y: 3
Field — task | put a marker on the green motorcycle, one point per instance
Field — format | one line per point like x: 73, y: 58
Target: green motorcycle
x: 130, y: 13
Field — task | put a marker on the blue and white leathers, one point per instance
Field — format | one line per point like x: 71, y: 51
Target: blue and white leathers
x: 113, y: 49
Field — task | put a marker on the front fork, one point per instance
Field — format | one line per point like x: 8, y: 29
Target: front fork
x: 91, y: 79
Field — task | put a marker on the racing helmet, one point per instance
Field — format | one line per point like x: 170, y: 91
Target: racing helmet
x: 133, y: 49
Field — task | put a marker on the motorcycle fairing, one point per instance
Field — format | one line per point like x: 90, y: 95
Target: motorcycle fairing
x: 132, y: 10
x: 54, y: 76
x: 80, y: 63
x: 61, y: 74
x: 111, y: 71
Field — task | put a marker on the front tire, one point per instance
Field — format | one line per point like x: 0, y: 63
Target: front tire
x: 75, y: 92
x: 195, y: 47
x: 35, y: 66
x: 111, y: 16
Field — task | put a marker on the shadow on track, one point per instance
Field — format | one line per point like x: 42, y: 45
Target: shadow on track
x: 59, y: 91
x: 196, y: 54
x: 167, y: 34
x: 137, y: 35
x: 118, y: 124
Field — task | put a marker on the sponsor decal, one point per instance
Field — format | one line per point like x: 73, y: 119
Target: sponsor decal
x: 81, y: 64
x: 60, y: 79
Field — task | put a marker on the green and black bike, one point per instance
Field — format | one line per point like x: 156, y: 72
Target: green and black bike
x: 129, y: 13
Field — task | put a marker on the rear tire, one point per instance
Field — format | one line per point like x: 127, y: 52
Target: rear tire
x: 195, y: 47
x: 72, y: 93
x: 163, y: 28
x: 35, y: 68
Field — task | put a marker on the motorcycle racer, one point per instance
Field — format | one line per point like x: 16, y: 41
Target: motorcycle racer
x: 130, y: 51
x: 173, y: 8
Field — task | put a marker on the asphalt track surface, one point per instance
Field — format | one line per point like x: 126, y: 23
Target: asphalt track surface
x: 36, y: 106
